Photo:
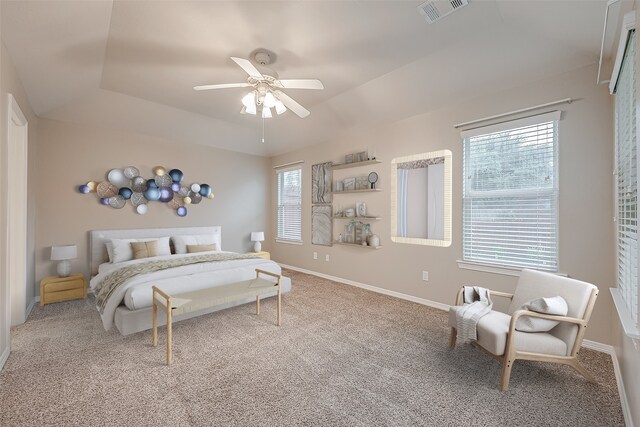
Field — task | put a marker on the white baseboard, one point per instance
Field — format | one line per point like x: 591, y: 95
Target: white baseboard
x: 4, y: 356
x: 592, y: 345
x: 610, y: 350
x: 30, y: 307
x: 376, y: 289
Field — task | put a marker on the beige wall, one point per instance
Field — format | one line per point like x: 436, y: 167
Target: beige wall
x: 10, y: 84
x: 585, y: 156
x: 70, y: 155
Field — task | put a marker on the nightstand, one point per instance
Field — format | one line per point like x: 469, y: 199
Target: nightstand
x: 263, y: 254
x: 57, y: 289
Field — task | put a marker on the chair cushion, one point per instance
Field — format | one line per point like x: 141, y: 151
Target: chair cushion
x: 492, y: 336
x: 555, y: 305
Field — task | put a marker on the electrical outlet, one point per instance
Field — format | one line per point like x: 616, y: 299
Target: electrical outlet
x: 425, y: 276
x: 326, y: 257
x: 315, y: 255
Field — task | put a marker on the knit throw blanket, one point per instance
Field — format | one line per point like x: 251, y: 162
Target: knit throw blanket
x: 115, y: 279
x: 476, y: 303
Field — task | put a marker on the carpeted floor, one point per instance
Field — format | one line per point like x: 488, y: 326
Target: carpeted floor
x: 343, y: 356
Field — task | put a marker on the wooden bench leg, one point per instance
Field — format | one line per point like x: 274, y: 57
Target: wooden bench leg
x: 169, y: 334
x: 258, y: 304
x: 154, y: 336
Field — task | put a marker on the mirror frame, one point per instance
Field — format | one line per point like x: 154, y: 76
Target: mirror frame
x: 446, y: 242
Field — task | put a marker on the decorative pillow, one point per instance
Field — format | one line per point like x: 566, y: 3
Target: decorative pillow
x: 201, y: 248
x: 180, y: 242
x: 109, y: 246
x: 144, y: 249
x: 554, y: 305
x: 122, y: 248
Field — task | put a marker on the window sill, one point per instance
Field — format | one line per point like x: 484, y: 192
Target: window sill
x: 495, y: 269
x: 489, y: 268
x: 290, y: 242
x: 630, y: 327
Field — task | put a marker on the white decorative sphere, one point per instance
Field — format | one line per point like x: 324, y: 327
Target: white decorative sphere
x: 142, y: 209
x: 195, y: 188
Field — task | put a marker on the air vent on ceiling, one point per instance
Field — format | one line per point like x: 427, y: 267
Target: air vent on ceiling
x: 434, y: 10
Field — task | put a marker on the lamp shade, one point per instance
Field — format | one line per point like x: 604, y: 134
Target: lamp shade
x: 59, y: 253
x: 257, y: 236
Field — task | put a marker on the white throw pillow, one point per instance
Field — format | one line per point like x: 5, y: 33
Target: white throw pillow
x: 122, y: 248
x: 180, y: 242
x: 553, y: 305
x: 109, y: 246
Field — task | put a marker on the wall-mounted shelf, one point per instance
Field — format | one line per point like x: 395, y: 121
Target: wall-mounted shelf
x: 354, y: 164
x: 369, y: 218
x: 366, y: 190
x: 357, y: 245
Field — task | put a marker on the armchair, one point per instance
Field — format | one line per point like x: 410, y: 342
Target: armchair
x: 497, y: 334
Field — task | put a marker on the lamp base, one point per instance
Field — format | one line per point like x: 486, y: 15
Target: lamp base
x: 257, y: 247
x: 64, y: 268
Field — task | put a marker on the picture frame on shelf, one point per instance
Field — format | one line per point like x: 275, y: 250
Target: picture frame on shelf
x: 348, y: 158
x: 361, y: 156
x: 349, y: 184
x: 361, y: 209
x: 362, y: 183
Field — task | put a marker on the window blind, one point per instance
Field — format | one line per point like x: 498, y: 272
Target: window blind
x: 627, y: 180
x: 290, y: 204
x: 510, y: 199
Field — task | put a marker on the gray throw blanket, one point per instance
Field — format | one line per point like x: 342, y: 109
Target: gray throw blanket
x: 476, y: 303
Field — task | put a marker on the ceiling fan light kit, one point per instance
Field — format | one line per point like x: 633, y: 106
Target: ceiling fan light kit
x: 266, y: 94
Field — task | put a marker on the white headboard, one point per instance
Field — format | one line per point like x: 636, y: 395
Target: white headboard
x: 97, y: 239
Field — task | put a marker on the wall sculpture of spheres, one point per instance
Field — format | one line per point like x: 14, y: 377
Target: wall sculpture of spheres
x: 126, y: 186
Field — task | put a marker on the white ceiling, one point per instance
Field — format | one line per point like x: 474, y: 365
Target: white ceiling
x: 132, y: 64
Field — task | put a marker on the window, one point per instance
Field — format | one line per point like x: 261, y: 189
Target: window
x: 627, y: 180
x: 510, y: 200
x: 290, y: 204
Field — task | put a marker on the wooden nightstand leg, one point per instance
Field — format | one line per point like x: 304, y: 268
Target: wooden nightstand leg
x: 258, y: 304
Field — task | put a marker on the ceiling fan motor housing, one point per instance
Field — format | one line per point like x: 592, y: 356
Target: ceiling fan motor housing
x: 262, y: 58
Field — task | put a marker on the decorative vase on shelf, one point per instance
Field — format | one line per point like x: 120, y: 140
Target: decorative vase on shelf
x: 374, y: 240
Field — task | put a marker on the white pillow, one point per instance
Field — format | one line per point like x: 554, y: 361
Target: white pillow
x: 122, y: 248
x: 554, y: 305
x: 180, y: 242
x: 109, y: 246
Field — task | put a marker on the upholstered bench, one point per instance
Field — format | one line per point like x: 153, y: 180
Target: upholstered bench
x: 206, y: 298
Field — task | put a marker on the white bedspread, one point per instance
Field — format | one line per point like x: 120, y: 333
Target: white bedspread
x: 136, y: 292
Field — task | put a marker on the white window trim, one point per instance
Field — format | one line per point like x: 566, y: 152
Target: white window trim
x: 496, y: 268
x: 629, y: 326
x: 285, y: 168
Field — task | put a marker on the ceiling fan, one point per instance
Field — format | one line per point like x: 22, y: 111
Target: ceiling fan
x: 267, y: 92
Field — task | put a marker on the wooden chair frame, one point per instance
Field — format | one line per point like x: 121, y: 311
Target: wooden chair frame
x: 511, y: 354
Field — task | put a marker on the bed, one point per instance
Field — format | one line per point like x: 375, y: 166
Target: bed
x: 128, y: 306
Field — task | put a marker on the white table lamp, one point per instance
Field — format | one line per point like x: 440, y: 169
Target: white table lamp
x: 257, y: 236
x: 64, y: 254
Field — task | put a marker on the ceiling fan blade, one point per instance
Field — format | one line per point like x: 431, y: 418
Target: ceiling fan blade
x: 247, y: 66
x: 301, y: 84
x: 221, y: 86
x: 291, y: 104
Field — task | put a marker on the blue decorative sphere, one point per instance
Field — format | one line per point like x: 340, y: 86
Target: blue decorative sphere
x: 84, y: 189
x: 166, y: 194
x: 175, y: 186
x: 176, y: 175
x: 125, y: 192
x: 182, y: 211
x: 152, y: 194
x: 205, y: 190
x: 151, y: 183
x: 105, y: 201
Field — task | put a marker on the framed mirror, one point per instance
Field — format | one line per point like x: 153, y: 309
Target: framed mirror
x: 421, y: 199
